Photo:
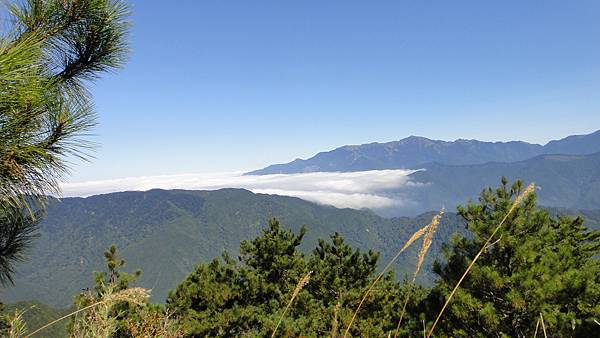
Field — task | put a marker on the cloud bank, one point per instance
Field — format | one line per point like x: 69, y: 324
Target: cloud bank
x: 374, y: 189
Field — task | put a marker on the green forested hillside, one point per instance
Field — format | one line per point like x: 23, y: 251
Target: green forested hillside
x: 166, y: 233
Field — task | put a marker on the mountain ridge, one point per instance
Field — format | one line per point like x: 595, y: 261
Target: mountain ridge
x: 415, y: 151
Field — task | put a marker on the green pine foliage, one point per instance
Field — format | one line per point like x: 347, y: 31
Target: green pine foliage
x: 46, y: 55
x: 535, y: 264
x: 246, y: 297
x: 48, y: 51
x: 17, y: 231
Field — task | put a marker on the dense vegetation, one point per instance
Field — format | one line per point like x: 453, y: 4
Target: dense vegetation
x: 244, y: 297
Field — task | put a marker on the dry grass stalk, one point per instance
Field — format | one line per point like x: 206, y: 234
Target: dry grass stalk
x: 520, y: 198
x: 153, y: 324
x: 63, y: 317
x: 137, y: 296
x: 537, y: 326
x: 334, y: 321
x: 98, y: 321
x: 16, y: 325
x: 301, y: 283
x: 432, y: 227
x: 543, y: 326
x: 410, y: 241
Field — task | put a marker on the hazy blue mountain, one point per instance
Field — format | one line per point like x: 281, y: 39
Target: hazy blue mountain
x: 576, y: 145
x: 415, y: 152
x: 165, y: 233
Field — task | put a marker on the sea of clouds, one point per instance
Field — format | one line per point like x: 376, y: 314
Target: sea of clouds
x: 373, y: 189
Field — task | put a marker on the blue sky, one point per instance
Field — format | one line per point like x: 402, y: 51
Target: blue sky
x: 237, y: 85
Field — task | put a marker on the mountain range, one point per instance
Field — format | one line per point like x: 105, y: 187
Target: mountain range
x: 417, y: 152
x: 167, y: 232
x: 450, y: 173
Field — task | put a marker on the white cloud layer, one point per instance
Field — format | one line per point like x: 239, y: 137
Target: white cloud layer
x: 374, y: 189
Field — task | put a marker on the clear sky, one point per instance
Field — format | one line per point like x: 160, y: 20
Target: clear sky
x: 217, y: 85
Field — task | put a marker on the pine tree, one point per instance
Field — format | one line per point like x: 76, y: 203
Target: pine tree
x: 48, y: 54
x: 535, y: 264
x: 227, y: 298
x: 248, y: 296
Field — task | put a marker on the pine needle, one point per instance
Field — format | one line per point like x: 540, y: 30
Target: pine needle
x: 410, y: 241
x: 530, y: 188
x: 301, y: 283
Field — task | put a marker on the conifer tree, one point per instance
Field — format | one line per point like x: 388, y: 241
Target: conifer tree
x: 536, y: 264
x: 224, y: 298
x: 247, y: 297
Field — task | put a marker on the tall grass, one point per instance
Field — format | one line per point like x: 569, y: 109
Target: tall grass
x: 543, y: 325
x: 16, y: 325
x: 98, y: 320
x: 424, y: 249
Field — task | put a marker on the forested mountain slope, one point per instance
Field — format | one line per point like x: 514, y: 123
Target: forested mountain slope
x: 165, y: 233
x: 569, y: 181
